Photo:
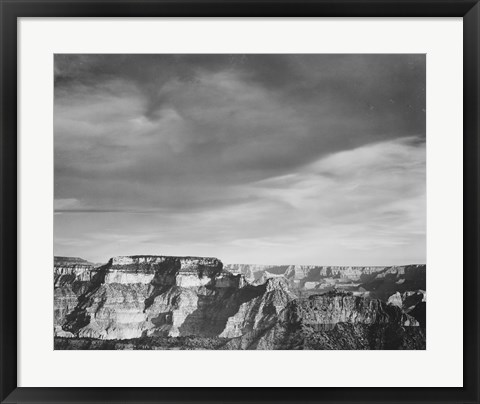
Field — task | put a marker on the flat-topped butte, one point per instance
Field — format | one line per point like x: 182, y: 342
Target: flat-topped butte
x: 152, y: 263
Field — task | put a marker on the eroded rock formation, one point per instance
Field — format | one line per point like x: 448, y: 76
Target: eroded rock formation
x: 412, y: 302
x: 71, y: 278
x: 156, y: 295
x: 336, y: 320
x: 400, y: 279
x: 148, y: 300
x: 313, y: 273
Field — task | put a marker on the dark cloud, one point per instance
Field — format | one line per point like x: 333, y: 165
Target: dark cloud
x: 196, y: 134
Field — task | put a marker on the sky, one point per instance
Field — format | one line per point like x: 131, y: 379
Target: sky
x: 265, y: 159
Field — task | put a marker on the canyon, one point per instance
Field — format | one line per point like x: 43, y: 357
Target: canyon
x: 164, y: 302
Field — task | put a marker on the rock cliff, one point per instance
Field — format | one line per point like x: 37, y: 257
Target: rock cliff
x: 336, y: 320
x: 142, y: 301
x: 139, y: 296
x: 261, y: 311
x: 71, y: 278
x: 396, y: 279
x: 412, y: 302
x: 342, y: 307
x: 310, y: 273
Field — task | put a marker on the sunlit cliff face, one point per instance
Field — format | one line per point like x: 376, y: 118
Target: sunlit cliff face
x: 152, y: 298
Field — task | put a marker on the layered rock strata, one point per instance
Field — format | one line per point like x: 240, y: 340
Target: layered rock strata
x: 396, y: 279
x: 336, y: 321
x: 313, y: 273
x: 159, y: 296
x: 150, y: 300
x: 71, y: 278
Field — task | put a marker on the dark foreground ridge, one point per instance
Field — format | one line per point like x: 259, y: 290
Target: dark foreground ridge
x: 162, y: 302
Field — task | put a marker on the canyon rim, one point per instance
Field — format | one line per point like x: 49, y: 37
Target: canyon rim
x: 229, y: 202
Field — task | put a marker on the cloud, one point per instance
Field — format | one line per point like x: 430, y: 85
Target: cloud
x: 219, y: 154
x: 367, y: 213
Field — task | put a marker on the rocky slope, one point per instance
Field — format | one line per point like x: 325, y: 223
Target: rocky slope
x: 378, y: 282
x: 261, y: 311
x: 396, y: 279
x: 411, y: 302
x: 71, y: 278
x: 407, y: 300
x: 336, y: 320
x: 158, y: 301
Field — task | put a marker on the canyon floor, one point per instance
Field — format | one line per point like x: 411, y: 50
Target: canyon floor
x: 162, y: 302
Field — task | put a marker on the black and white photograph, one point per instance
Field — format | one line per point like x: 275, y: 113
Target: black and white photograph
x: 239, y: 202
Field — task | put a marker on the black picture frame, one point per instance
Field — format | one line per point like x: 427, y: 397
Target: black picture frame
x: 11, y: 10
